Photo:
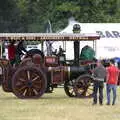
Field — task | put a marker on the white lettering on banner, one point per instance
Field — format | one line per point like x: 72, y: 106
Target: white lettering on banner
x: 111, y: 49
x: 109, y: 34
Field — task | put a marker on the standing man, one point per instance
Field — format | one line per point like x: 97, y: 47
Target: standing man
x: 99, y: 77
x: 12, y: 52
x: 111, y: 82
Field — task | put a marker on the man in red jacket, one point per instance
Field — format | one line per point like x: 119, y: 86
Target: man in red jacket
x: 12, y: 52
x: 111, y: 82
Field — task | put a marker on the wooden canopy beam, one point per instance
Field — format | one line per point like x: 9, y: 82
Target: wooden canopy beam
x: 49, y: 36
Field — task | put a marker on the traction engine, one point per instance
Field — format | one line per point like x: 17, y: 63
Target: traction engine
x: 38, y: 74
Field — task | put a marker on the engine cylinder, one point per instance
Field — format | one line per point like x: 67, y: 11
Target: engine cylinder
x: 76, y: 71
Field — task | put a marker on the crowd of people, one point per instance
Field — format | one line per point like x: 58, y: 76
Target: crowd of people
x: 108, y: 74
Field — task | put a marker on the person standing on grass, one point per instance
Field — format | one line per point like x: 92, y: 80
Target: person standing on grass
x: 99, y: 74
x: 111, y: 81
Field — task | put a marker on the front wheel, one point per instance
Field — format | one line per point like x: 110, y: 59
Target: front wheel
x: 83, y: 86
x: 29, y: 82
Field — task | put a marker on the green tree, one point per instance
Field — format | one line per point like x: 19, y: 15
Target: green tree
x: 32, y: 15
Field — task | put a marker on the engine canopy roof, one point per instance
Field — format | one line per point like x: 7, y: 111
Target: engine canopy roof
x: 49, y: 36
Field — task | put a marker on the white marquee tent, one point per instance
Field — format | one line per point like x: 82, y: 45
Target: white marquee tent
x: 109, y: 44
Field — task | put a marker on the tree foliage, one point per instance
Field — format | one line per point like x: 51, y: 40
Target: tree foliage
x: 32, y: 15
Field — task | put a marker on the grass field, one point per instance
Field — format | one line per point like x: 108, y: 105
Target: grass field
x: 55, y: 106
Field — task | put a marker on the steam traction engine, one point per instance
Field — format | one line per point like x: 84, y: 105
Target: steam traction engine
x: 37, y: 74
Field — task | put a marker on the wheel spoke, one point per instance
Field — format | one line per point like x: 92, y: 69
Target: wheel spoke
x: 28, y: 75
x: 22, y: 80
x: 21, y: 88
x: 80, y: 90
x: 37, y: 86
x: 90, y: 88
x: 73, y: 93
x: 88, y: 93
x: 29, y: 91
x: 19, y: 83
x: 34, y: 79
x: 35, y: 91
x: 24, y: 93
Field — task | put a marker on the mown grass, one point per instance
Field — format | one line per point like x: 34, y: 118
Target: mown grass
x: 55, y: 106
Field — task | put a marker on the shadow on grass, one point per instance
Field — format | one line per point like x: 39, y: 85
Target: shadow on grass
x: 42, y: 97
x: 58, y: 97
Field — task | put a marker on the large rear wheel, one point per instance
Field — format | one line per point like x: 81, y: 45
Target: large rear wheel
x: 29, y: 82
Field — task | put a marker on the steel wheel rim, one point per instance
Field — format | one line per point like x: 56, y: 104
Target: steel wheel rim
x: 84, y: 87
x: 29, y: 83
